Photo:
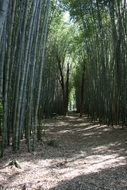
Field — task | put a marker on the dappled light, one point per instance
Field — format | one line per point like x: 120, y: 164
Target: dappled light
x: 85, y: 155
x: 63, y: 95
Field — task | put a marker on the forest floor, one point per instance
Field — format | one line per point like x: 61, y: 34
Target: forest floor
x: 74, y: 154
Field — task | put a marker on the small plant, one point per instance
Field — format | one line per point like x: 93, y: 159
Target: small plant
x: 14, y: 163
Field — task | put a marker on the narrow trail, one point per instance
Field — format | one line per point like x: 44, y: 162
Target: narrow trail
x: 74, y: 155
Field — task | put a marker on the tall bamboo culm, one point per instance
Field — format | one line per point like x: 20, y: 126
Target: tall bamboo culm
x: 23, y: 36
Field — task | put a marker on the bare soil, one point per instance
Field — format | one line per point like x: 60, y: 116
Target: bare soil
x: 73, y: 155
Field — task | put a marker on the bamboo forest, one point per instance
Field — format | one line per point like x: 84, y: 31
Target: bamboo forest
x: 63, y: 94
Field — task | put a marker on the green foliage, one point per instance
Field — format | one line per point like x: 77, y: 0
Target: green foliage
x: 60, y: 50
x: 85, y: 59
x: 100, y: 46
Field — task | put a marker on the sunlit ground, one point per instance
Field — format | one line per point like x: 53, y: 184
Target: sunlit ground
x: 86, y: 156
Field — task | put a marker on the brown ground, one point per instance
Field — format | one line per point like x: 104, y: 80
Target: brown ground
x: 74, y: 155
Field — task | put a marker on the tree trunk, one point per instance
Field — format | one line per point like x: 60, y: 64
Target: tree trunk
x: 82, y: 93
x: 3, y: 14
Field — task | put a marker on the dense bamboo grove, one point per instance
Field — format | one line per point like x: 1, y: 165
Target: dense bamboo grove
x: 57, y: 75
x: 102, y: 75
x: 43, y: 60
x: 22, y: 51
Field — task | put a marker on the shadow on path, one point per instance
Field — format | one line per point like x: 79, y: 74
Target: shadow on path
x: 85, y: 156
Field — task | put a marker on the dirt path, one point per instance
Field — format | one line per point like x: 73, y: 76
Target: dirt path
x: 74, y: 155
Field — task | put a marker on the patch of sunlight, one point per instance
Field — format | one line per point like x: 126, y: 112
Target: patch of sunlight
x: 58, y: 123
x: 104, y: 160
x: 49, y: 124
x: 88, y: 134
x: 66, y: 17
x: 101, y: 126
x: 87, y: 126
x: 100, y: 148
x: 79, y: 130
x: 81, y: 164
x: 62, y: 123
x: 81, y: 125
x: 107, y: 129
x: 80, y: 120
x: 64, y: 131
x: 112, y: 147
x: 70, y: 117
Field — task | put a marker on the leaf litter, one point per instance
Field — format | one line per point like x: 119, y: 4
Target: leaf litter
x: 74, y: 154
